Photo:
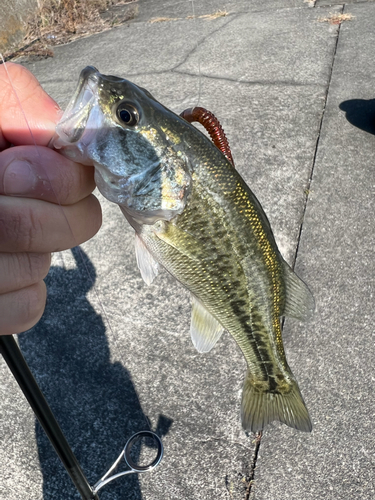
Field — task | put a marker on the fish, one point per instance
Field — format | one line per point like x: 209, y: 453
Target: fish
x: 194, y: 215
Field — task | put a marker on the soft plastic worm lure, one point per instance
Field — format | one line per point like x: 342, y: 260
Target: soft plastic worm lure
x: 213, y: 127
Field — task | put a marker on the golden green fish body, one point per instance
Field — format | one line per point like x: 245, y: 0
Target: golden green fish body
x: 195, y: 215
x: 222, y: 249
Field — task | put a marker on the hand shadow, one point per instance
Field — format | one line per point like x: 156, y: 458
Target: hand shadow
x: 94, y: 400
x: 360, y: 113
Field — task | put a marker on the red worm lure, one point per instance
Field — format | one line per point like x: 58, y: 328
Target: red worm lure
x: 213, y: 127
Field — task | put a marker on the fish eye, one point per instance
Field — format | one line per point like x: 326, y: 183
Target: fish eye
x: 127, y: 114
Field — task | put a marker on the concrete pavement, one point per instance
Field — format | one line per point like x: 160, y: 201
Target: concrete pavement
x: 295, y: 97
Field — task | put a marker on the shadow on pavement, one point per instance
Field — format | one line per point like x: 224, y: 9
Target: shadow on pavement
x: 94, y: 400
x: 360, y: 113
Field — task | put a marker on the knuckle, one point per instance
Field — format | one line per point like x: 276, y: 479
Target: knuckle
x: 67, y: 186
x: 22, y: 309
x: 20, y: 228
x: 32, y: 230
x: 33, y: 303
x: 19, y: 270
x: 36, y: 266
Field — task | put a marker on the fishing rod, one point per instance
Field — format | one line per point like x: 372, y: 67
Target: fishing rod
x: 25, y: 379
x: 30, y: 388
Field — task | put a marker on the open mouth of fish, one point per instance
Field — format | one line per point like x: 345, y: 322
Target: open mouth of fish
x: 82, y: 117
x: 75, y: 118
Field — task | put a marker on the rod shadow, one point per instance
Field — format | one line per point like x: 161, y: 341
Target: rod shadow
x: 360, y: 113
x: 94, y: 400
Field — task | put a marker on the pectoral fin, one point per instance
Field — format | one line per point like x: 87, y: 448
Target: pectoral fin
x: 299, y: 301
x: 148, y: 266
x: 205, y: 329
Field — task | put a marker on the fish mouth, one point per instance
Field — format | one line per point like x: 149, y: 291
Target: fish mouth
x: 74, y: 120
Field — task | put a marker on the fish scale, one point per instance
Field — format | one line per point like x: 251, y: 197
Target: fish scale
x: 266, y: 246
x: 193, y: 213
x: 231, y: 303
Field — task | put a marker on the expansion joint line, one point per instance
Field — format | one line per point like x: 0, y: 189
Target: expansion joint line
x: 251, y: 477
x: 258, y: 436
x: 317, y: 142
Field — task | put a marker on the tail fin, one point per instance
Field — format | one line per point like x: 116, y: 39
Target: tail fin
x: 259, y: 408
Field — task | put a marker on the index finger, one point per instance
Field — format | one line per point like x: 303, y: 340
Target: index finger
x: 44, y: 174
x: 25, y: 107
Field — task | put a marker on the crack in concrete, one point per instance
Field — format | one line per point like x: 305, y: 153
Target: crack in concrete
x: 265, y: 83
x: 317, y: 142
x: 199, y: 44
x: 251, y: 477
x: 280, y: 83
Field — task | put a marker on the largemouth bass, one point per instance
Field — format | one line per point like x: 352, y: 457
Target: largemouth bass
x: 194, y: 214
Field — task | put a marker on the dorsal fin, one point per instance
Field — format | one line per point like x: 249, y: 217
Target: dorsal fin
x: 148, y: 266
x: 205, y: 330
x: 299, y: 302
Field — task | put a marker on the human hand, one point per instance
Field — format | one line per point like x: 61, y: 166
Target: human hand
x: 46, y: 203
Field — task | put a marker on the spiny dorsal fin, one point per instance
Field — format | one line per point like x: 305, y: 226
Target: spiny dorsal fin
x: 148, y: 266
x: 205, y: 330
x: 299, y: 302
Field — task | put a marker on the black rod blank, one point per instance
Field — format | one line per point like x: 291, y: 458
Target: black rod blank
x: 21, y: 372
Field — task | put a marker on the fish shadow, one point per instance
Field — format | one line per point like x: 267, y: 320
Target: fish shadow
x: 360, y: 113
x: 94, y: 400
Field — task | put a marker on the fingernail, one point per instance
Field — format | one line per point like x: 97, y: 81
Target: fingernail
x: 19, y: 178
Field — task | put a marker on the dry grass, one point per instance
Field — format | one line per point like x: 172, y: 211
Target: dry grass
x: 61, y: 21
x: 335, y: 18
x: 163, y: 19
x: 215, y: 15
x: 219, y: 13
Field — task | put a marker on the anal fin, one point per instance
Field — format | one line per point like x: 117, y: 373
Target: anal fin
x: 148, y: 266
x: 299, y: 301
x: 205, y: 330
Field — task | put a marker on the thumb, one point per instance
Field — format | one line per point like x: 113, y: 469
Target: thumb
x: 25, y: 107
